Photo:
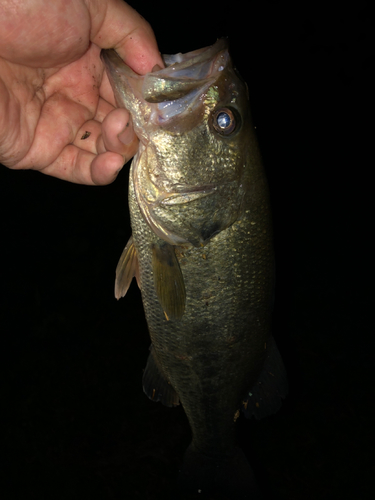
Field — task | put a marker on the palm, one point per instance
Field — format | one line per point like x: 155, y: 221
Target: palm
x: 53, y: 97
x: 48, y: 110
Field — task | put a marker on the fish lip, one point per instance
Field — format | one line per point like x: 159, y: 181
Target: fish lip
x: 184, y: 79
x: 160, y: 98
x: 178, y: 62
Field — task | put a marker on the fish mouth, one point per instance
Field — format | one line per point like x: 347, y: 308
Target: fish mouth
x: 185, y: 73
x: 158, y: 97
x: 186, y: 194
x: 176, y: 89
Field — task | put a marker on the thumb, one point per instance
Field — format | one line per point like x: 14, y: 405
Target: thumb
x: 117, y: 25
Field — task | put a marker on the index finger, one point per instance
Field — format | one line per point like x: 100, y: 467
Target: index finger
x: 117, y: 25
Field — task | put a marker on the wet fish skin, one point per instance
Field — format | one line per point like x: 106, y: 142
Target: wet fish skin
x: 200, y: 215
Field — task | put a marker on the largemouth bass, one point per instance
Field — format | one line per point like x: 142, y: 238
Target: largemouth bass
x: 201, y: 250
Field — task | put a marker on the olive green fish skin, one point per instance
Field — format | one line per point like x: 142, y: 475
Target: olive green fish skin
x: 214, y: 354
x: 215, y: 210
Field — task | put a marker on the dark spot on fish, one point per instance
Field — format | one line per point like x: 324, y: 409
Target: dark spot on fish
x: 208, y: 231
x: 164, y: 253
x: 85, y: 135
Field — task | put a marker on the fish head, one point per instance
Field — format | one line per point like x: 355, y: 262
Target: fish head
x: 192, y: 118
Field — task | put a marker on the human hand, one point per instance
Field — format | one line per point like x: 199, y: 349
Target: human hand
x: 57, y: 109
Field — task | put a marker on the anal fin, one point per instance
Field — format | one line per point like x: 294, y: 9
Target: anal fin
x: 168, y: 280
x: 126, y: 269
x: 156, y: 385
x: 264, y: 398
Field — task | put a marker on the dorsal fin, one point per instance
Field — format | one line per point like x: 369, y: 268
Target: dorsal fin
x: 168, y: 280
x: 126, y: 269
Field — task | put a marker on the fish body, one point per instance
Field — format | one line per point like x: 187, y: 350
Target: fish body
x: 202, y: 252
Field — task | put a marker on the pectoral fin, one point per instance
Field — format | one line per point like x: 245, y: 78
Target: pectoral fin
x: 168, y: 280
x: 155, y: 383
x: 126, y: 269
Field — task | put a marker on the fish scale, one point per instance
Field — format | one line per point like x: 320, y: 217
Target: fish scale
x: 202, y: 252
x: 208, y: 356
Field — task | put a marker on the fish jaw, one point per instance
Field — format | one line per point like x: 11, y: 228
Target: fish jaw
x: 188, y: 179
x: 156, y: 98
x: 126, y: 86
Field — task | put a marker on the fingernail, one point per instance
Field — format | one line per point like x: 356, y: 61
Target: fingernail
x: 126, y: 136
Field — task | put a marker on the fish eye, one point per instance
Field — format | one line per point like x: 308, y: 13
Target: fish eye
x: 224, y: 121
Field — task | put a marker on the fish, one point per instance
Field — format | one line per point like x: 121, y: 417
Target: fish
x: 202, y: 253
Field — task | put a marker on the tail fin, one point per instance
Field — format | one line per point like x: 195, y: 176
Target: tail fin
x: 220, y: 478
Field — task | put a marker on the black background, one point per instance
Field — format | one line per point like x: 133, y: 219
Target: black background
x: 77, y: 422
